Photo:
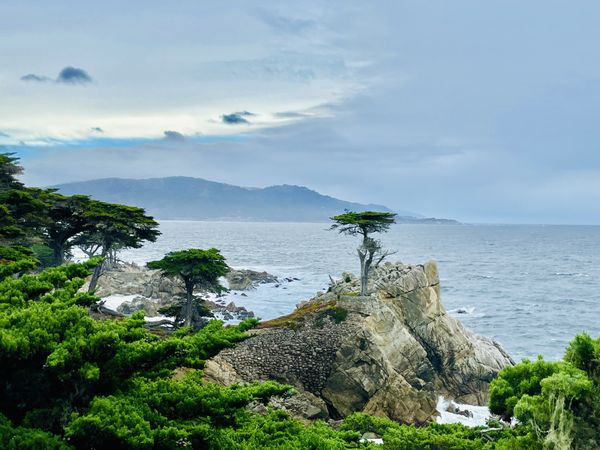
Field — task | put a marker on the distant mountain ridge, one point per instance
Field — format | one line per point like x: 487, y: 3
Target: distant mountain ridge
x: 187, y: 198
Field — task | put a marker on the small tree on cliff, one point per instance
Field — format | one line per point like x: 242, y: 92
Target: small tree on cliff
x: 199, y: 269
x: 364, y: 224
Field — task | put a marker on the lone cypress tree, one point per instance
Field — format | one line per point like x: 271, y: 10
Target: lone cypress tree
x: 198, y: 269
x: 363, y: 224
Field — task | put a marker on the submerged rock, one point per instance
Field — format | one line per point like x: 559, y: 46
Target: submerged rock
x: 391, y: 353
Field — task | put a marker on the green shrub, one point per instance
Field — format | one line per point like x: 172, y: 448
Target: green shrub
x: 515, y: 381
x: 559, y: 400
x: 21, y: 438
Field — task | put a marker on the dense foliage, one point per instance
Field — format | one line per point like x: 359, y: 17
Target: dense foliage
x: 21, y: 217
x: 438, y: 436
x: 363, y: 223
x: 113, y: 227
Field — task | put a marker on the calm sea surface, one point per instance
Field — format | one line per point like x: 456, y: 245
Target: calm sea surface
x: 532, y: 288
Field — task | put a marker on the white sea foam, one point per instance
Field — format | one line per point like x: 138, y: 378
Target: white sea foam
x: 158, y: 318
x: 112, y: 302
x: 480, y: 414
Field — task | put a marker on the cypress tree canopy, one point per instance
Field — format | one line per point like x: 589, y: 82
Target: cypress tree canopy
x: 364, y: 223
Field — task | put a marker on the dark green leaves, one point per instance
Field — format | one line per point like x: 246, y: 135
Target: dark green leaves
x: 364, y: 223
x: 202, y: 267
x: 116, y: 226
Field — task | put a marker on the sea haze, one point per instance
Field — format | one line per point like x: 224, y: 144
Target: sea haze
x: 186, y: 198
x: 532, y: 288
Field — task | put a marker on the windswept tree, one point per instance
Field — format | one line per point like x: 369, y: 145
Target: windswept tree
x: 199, y: 269
x: 113, y: 227
x: 364, y: 224
x: 68, y: 220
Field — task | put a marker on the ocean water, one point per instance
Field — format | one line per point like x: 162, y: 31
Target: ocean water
x: 532, y: 288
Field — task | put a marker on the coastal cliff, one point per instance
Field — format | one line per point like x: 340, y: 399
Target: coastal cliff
x: 391, y: 353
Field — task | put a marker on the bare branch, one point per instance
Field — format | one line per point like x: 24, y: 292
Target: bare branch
x: 384, y: 255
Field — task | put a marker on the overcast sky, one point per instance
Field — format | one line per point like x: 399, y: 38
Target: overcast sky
x: 479, y: 111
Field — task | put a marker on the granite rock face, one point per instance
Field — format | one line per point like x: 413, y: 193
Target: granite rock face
x: 390, y: 354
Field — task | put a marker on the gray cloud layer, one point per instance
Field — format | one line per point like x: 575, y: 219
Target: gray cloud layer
x: 286, y: 24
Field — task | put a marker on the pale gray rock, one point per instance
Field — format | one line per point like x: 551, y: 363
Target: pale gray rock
x: 245, y: 279
x: 150, y: 306
x: 131, y: 279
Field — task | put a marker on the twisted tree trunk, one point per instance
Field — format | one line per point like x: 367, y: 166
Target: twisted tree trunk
x: 96, y: 274
x: 366, y: 254
x: 189, y: 291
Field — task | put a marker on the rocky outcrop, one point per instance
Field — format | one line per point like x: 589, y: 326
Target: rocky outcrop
x: 245, y: 279
x: 391, y: 353
x: 131, y: 279
x: 154, y: 291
